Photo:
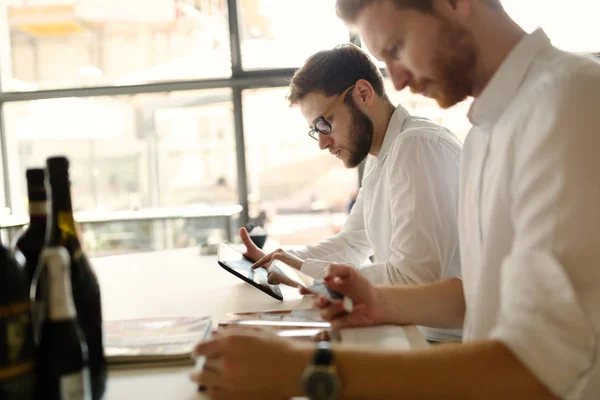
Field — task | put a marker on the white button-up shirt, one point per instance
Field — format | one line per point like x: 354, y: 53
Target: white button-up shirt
x: 529, y: 215
x: 405, y: 214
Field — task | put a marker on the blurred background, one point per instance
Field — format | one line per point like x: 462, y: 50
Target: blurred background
x: 180, y: 105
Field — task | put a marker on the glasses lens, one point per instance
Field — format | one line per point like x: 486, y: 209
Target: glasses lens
x: 313, y: 134
x: 323, y: 126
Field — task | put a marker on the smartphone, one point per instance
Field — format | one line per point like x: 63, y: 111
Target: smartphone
x: 294, y: 277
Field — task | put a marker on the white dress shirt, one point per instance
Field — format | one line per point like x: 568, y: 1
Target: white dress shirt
x: 405, y: 214
x: 530, y: 215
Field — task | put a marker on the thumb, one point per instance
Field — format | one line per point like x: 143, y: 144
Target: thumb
x: 246, y: 239
x: 356, y: 318
x: 341, y: 271
x: 340, y: 286
x: 344, y: 283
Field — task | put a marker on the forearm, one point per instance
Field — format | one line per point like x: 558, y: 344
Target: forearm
x: 438, y: 305
x: 485, y: 370
x: 350, y: 246
x: 342, y: 248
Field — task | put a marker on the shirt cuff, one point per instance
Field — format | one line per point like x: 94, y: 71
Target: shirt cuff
x: 542, y: 322
x: 314, y: 268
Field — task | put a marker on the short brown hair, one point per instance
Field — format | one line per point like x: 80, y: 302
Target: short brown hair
x: 348, y: 10
x: 332, y: 71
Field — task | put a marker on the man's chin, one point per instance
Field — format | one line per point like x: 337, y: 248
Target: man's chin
x: 446, y: 102
x: 350, y: 164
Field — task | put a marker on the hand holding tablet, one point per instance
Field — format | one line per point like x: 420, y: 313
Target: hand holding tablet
x: 296, y: 278
x: 234, y: 262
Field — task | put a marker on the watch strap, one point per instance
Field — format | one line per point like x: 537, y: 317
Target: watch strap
x: 323, y: 354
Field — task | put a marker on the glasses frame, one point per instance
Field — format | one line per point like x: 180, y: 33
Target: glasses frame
x: 314, y: 132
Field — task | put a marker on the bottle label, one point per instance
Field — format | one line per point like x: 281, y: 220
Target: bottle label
x: 38, y: 208
x: 57, y: 263
x: 76, y: 386
x: 16, y: 351
x: 66, y: 224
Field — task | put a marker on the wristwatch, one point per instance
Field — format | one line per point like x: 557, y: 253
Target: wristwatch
x: 320, y: 379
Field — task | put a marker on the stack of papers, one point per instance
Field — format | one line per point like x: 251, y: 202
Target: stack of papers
x: 154, y: 341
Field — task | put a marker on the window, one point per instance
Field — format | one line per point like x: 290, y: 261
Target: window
x: 131, y: 152
x: 454, y: 118
x: 571, y: 25
x: 137, y: 144
x: 304, y: 191
x: 284, y: 33
x: 80, y: 43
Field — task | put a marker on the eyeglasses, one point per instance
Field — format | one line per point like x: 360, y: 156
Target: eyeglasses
x: 321, y: 125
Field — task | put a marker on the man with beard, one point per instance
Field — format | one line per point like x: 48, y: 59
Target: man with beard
x: 528, y: 221
x: 405, y: 214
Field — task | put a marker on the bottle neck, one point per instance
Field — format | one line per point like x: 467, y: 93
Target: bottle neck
x: 62, y: 226
x: 38, y: 201
x: 38, y: 211
x: 60, y: 297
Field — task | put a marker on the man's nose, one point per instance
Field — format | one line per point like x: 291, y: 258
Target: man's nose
x: 401, y: 77
x: 325, y: 141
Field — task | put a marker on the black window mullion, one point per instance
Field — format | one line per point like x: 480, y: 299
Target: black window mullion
x: 237, y: 71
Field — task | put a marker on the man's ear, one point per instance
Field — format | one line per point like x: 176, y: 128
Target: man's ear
x: 363, y: 93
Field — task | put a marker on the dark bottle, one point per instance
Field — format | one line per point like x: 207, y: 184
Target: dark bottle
x: 30, y: 243
x: 62, y: 370
x: 86, y: 291
x: 17, y: 350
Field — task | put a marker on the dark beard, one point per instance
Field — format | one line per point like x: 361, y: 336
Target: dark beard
x: 361, y: 136
x: 454, y: 64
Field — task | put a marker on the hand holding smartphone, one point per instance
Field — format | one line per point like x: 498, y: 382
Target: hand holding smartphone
x: 296, y: 278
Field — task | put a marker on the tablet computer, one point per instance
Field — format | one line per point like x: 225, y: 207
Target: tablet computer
x: 234, y: 262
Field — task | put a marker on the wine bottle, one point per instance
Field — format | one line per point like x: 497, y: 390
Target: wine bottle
x: 62, y: 232
x: 29, y: 244
x: 63, y: 370
x: 17, y: 350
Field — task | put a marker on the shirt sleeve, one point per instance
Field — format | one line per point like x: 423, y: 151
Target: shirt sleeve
x: 550, y: 282
x: 349, y: 246
x: 423, y: 195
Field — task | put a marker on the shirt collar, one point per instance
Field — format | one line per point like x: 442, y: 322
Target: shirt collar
x: 394, y: 129
x: 507, y: 80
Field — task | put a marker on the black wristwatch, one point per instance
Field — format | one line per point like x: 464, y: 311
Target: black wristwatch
x: 320, y: 379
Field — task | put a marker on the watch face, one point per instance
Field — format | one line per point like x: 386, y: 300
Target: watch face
x: 321, y: 385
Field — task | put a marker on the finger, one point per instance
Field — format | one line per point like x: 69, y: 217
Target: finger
x: 210, y: 348
x: 281, y: 256
x: 196, y: 376
x: 357, y: 318
x: 340, y: 270
x: 284, y: 258
x: 214, y: 364
x: 207, y: 378
x: 273, y: 279
x: 336, y: 283
x: 320, y: 302
x: 341, y: 279
x: 246, y: 239
x: 305, y: 291
x: 279, y: 279
x: 333, y: 311
x: 263, y: 260
x: 218, y: 393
